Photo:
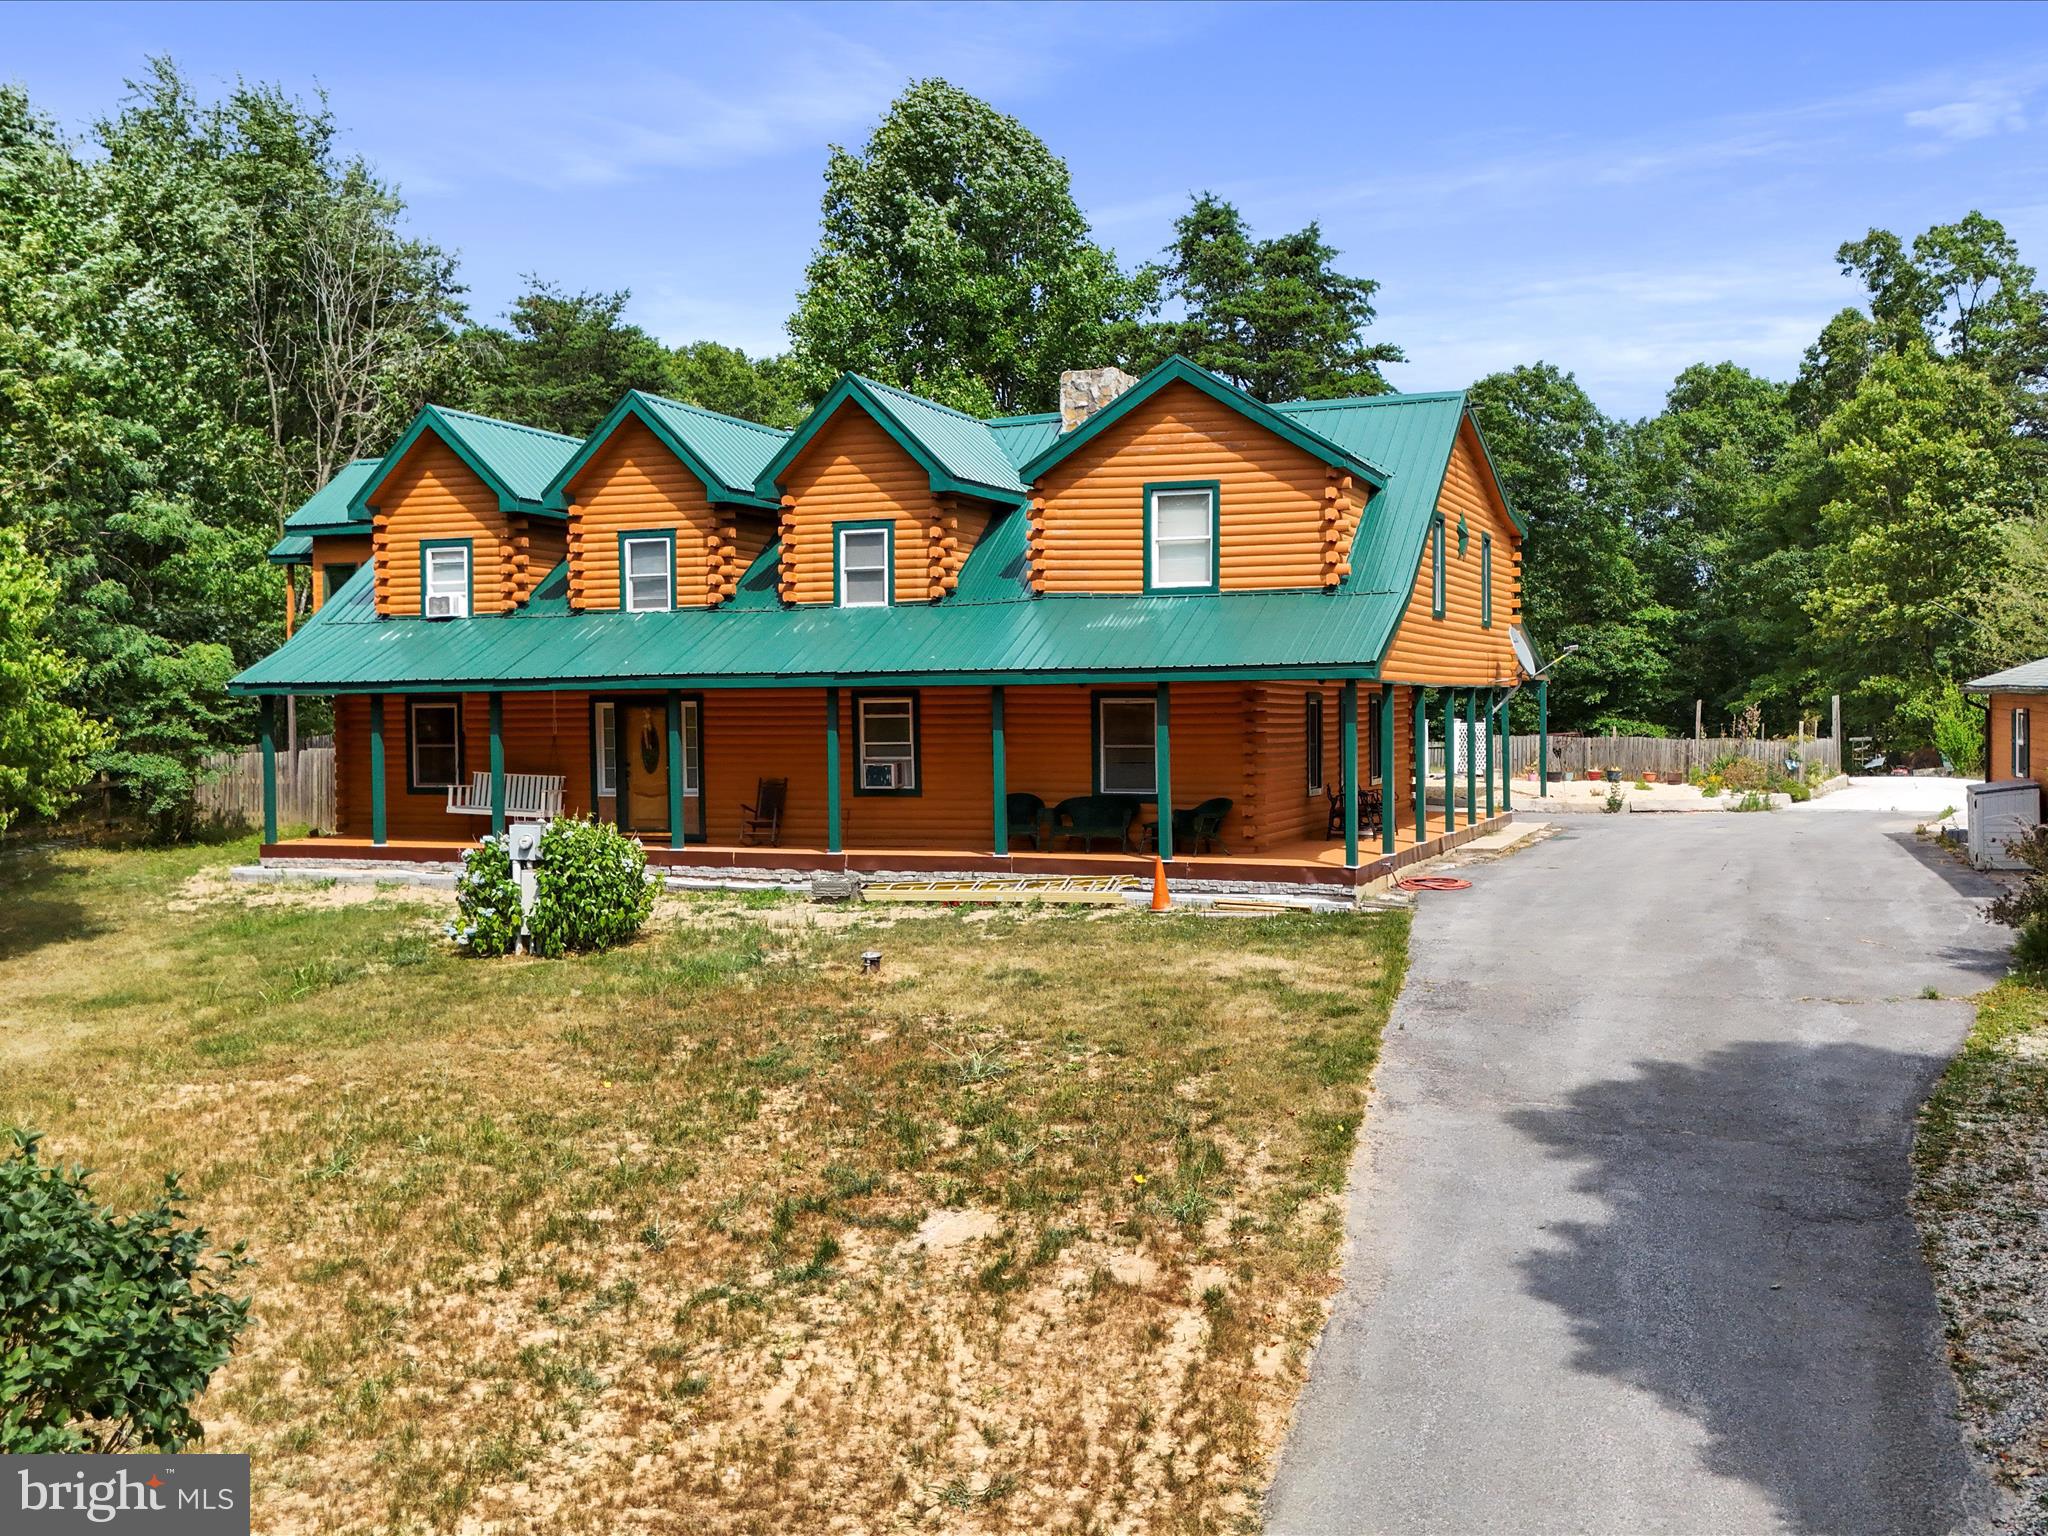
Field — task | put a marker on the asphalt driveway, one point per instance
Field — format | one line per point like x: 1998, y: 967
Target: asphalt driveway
x: 1629, y: 1247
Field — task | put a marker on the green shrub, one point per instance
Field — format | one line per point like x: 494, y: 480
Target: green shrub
x: 1615, y: 799
x: 591, y: 889
x: 2030, y: 949
x: 486, y: 900
x: 110, y: 1326
x: 2025, y: 906
x: 1752, y: 801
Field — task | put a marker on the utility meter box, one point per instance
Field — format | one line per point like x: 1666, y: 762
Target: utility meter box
x: 522, y: 844
x: 2000, y: 813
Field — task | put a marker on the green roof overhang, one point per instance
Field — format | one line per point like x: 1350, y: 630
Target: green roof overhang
x: 851, y: 387
x: 430, y: 419
x: 1178, y: 370
x: 292, y: 549
x: 634, y: 406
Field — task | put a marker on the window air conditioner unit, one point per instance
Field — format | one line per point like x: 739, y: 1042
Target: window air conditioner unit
x: 882, y: 776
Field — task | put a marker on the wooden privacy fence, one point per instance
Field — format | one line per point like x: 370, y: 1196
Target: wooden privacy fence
x: 231, y: 787
x: 1671, y: 757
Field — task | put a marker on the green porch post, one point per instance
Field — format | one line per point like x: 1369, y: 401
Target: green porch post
x: 676, y: 831
x: 1347, y: 751
x: 266, y: 739
x: 1388, y: 801
x: 1507, y: 757
x: 832, y: 770
x: 1000, y: 769
x: 377, y: 769
x: 1492, y: 749
x: 1162, y: 750
x: 497, y: 762
x: 1418, y: 749
x: 1543, y: 736
x: 1450, y: 759
x: 1472, y: 756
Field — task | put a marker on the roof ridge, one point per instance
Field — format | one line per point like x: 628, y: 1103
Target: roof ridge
x: 705, y: 410
x: 1392, y: 397
x: 499, y: 421
x: 1028, y: 416
x: 911, y: 394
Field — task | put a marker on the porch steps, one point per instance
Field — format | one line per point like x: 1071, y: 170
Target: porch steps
x: 1100, y: 890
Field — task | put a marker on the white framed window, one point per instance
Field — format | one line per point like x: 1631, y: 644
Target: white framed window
x: 885, y: 738
x: 433, y: 732
x: 1181, y: 527
x: 444, y: 581
x: 693, y: 749
x: 605, y: 753
x: 1126, y: 757
x: 2022, y: 746
x: 647, y: 571
x: 863, y: 567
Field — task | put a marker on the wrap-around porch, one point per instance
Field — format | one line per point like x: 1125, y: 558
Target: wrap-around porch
x: 881, y: 779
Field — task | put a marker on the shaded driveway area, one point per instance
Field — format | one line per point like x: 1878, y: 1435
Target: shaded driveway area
x: 1629, y: 1247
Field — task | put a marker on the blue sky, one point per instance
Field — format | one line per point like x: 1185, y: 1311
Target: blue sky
x: 1615, y: 190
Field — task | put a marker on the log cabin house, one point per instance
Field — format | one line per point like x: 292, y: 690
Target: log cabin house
x: 958, y: 645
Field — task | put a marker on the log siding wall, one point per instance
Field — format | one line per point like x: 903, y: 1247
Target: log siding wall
x: 634, y: 483
x: 1999, y: 767
x: 854, y: 472
x: 432, y: 494
x: 1457, y: 649
x: 346, y: 549
x: 1286, y: 519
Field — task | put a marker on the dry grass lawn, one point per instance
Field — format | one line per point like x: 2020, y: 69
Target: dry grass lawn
x: 715, y: 1234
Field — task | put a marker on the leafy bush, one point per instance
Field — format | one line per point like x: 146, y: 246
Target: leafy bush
x: 2030, y: 949
x: 1615, y: 799
x: 1623, y: 725
x: 591, y: 889
x: 1752, y: 801
x: 2026, y: 905
x: 486, y: 900
x: 110, y: 1326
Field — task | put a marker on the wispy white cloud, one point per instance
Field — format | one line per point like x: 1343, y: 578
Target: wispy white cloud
x: 1995, y: 110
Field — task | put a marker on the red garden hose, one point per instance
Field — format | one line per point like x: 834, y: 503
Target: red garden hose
x: 1435, y: 883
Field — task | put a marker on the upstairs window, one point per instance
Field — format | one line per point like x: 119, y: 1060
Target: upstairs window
x: 1436, y: 567
x: 1486, y: 580
x: 2022, y: 746
x: 885, y: 744
x: 861, y: 573
x: 433, y: 743
x: 647, y: 566
x: 334, y: 577
x: 1126, y: 759
x: 444, y: 580
x: 1312, y: 729
x: 1180, y: 538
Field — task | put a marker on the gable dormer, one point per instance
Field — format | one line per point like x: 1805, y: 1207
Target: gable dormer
x: 460, y: 517
x: 883, y: 495
x: 1185, y: 484
x: 662, y: 508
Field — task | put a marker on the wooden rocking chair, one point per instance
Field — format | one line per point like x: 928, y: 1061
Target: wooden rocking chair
x: 761, y: 822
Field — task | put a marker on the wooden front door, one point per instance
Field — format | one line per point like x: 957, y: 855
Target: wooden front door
x: 643, y: 760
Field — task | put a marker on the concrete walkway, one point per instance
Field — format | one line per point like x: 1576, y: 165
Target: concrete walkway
x: 1629, y: 1242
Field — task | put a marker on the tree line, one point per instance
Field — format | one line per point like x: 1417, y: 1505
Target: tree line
x: 208, y: 307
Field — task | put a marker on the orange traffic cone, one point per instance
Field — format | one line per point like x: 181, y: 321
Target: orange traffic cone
x: 1161, y: 901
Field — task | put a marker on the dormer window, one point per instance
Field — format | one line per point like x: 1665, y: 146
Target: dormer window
x: 444, y: 579
x: 1180, y: 538
x: 647, y: 567
x: 861, y: 571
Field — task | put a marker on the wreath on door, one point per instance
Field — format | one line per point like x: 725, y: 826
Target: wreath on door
x: 650, y: 747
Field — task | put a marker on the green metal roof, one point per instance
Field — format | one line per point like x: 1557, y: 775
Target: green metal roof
x: 346, y: 648
x: 2028, y: 677
x: 519, y: 463
x: 724, y: 452
x: 958, y: 452
x: 1178, y: 370
x: 327, y: 510
x: 292, y: 549
x: 1022, y: 438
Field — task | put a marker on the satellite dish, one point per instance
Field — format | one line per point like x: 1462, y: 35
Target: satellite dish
x: 1525, y: 653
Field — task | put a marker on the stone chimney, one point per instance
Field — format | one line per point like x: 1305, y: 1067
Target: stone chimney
x: 1084, y: 391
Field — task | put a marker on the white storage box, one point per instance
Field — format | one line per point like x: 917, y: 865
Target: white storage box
x: 1998, y: 814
